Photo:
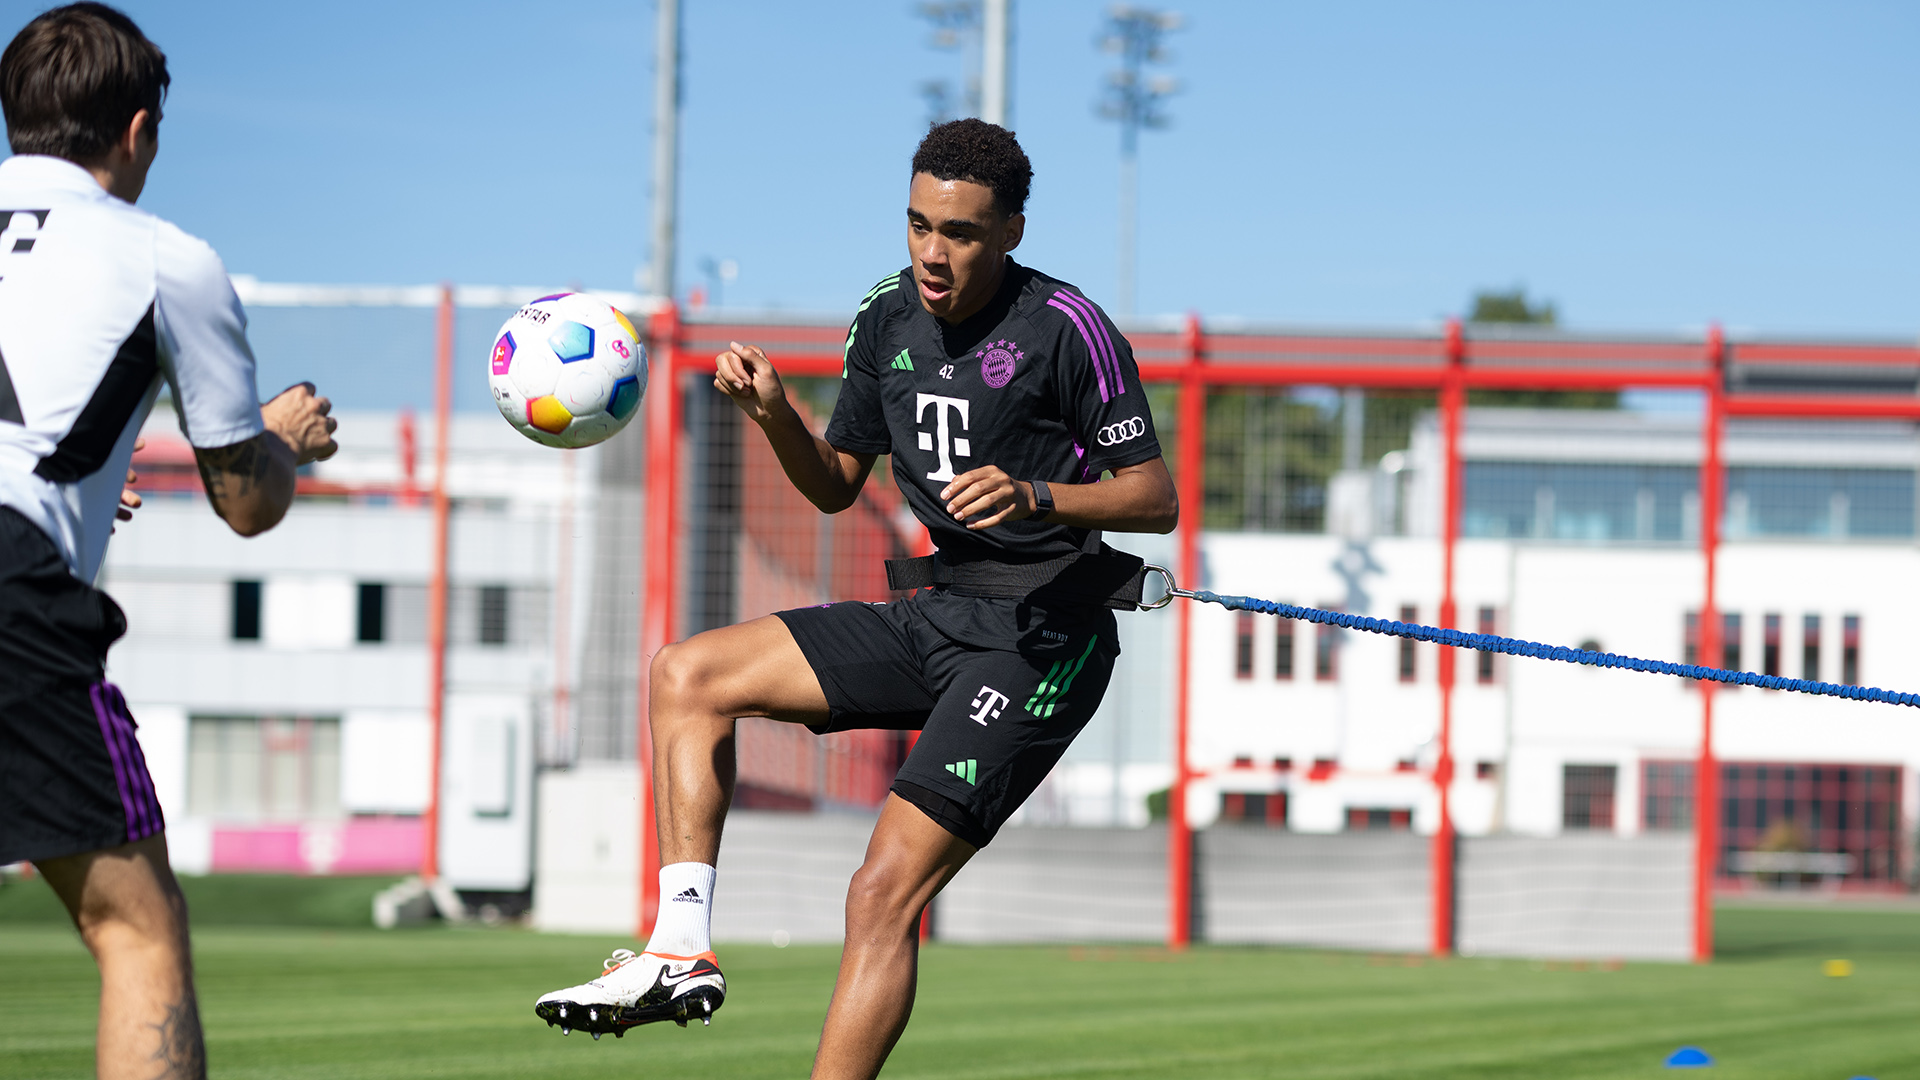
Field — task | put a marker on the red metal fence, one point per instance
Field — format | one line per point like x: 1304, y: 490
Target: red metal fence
x: 1743, y: 379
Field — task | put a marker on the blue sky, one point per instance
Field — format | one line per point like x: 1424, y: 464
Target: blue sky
x: 1645, y: 165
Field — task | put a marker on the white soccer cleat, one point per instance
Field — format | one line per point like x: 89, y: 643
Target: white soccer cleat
x: 636, y: 989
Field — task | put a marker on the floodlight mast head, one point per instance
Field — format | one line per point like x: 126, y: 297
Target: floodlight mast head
x: 1134, y: 34
x: 957, y: 26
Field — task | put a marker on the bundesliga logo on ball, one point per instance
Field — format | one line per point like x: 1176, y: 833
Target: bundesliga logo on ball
x: 567, y: 370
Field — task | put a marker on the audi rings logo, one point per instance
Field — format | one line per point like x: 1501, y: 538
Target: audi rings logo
x: 1115, y: 434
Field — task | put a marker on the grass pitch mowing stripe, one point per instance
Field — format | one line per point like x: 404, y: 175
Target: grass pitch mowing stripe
x: 314, y: 1003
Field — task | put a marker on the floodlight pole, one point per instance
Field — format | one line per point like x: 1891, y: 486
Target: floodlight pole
x: 666, y: 145
x: 995, y: 34
x: 1135, y: 34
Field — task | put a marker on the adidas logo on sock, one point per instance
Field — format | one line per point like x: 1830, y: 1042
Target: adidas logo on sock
x: 691, y: 896
x: 964, y: 769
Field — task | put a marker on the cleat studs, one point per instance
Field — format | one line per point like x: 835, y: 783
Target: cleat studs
x: 619, y: 1033
x: 706, y: 1021
x: 596, y: 1036
x: 563, y: 1012
x: 566, y: 1031
x: 593, y: 1014
x: 707, y: 1004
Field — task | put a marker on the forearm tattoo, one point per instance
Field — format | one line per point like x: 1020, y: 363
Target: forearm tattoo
x: 235, y: 470
x: 182, y: 1053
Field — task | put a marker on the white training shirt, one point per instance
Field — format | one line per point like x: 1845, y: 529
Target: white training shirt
x: 99, y: 301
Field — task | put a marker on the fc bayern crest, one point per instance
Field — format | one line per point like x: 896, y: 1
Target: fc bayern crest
x: 996, y: 363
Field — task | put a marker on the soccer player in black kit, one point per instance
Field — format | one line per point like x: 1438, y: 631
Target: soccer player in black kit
x: 1004, y: 397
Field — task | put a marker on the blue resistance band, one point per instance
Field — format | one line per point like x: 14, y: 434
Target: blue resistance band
x: 1460, y: 639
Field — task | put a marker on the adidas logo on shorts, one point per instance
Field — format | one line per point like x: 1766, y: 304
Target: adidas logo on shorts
x: 965, y: 770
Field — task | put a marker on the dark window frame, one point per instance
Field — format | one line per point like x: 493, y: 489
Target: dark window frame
x: 492, y: 615
x: 244, y: 611
x: 1409, y: 656
x: 370, y: 613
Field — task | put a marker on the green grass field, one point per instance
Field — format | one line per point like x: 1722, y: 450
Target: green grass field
x: 320, y: 1000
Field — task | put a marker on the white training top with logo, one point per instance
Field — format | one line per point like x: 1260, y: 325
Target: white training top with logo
x: 100, y: 301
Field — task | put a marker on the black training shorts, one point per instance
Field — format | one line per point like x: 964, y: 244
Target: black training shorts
x: 993, y: 721
x: 72, y: 778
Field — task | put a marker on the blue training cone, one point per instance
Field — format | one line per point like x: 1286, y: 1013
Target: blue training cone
x: 1688, y: 1057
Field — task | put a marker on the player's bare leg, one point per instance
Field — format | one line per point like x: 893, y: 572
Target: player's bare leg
x: 909, y: 859
x: 133, y: 919
x: 697, y: 689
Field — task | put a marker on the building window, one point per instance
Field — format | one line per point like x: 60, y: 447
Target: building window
x: 1379, y: 819
x: 1255, y: 808
x: 373, y: 612
x: 1810, y: 648
x: 1283, y: 649
x: 1770, y: 646
x: 246, y: 611
x: 266, y: 768
x: 1816, y: 808
x: 1409, y: 660
x: 1483, y: 659
x: 1850, y: 650
x: 1243, y: 645
x: 493, y: 614
x: 1486, y: 770
x: 1730, y: 642
x: 1666, y: 792
x: 1326, y: 652
x: 1691, y: 635
x: 1586, y: 798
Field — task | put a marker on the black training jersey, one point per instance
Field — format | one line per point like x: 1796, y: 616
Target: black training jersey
x: 1039, y: 383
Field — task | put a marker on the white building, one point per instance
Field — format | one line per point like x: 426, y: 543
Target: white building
x: 1581, y: 529
x: 281, y: 682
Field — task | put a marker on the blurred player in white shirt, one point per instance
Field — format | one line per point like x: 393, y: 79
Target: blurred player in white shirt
x: 101, y: 305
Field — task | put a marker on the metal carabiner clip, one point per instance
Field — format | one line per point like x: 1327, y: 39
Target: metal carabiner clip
x: 1173, y: 589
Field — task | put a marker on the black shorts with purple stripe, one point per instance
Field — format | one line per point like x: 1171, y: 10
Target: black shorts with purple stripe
x: 72, y: 777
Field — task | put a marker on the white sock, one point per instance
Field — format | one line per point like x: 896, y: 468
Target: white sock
x: 684, y: 926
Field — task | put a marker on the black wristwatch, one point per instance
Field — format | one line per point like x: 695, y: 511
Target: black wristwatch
x: 1042, y: 501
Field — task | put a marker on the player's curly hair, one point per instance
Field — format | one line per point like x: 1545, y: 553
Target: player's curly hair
x: 982, y: 153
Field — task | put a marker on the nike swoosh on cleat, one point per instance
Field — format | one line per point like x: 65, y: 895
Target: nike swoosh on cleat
x: 664, y: 983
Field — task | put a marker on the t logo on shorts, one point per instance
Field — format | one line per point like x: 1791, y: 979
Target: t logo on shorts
x: 950, y: 446
x: 987, y: 705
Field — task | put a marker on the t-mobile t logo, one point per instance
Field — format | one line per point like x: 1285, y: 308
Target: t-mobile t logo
x: 950, y: 446
x: 987, y: 705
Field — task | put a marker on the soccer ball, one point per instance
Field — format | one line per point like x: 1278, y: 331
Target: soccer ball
x: 567, y: 370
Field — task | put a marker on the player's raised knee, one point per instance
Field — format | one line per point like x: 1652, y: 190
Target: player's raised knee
x: 680, y: 671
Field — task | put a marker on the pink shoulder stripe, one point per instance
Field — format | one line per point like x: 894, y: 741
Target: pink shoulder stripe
x: 1093, y: 347
x: 1099, y: 327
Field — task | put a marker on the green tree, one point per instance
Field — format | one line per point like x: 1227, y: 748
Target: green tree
x: 1493, y: 306
x: 1514, y: 307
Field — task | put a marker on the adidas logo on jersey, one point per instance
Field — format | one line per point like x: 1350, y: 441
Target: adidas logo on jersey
x: 691, y: 896
x: 965, y: 770
x: 903, y: 362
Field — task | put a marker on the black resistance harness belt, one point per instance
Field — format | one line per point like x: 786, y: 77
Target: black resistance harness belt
x: 1108, y: 577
